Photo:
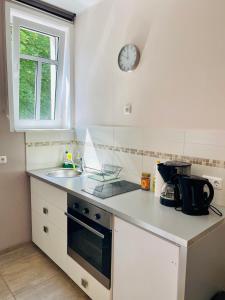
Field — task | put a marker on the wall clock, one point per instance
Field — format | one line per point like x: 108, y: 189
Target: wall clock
x: 129, y: 58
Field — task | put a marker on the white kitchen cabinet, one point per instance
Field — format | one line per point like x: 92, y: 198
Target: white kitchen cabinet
x: 145, y: 266
x: 49, y: 224
x: 49, y: 233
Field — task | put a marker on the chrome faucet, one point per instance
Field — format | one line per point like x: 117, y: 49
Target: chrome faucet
x: 80, y: 165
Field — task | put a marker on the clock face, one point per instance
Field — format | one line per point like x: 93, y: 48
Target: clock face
x: 129, y: 57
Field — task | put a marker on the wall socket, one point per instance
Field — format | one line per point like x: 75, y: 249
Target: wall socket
x: 3, y: 159
x: 216, y: 182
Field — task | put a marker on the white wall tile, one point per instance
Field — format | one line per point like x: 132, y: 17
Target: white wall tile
x: 52, y: 135
x: 96, y: 158
x: 149, y: 164
x: 205, y: 137
x: 205, y: 144
x: 101, y: 135
x: 204, y: 151
x: 96, y: 134
x: 44, y: 157
x: 128, y: 137
x: 80, y: 134
x: 107, y: 157
x: 132, y: 165
x: 92, y: 157
x: 164, y: 140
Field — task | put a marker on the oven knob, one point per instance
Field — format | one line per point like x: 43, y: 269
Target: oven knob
x: 75, y: 205
x: 85, y: 211
x: 97, y: 216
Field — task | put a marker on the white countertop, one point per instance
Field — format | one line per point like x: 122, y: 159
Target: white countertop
x: 142, y: 209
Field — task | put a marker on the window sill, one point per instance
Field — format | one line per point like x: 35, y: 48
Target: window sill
x: 44, y: 130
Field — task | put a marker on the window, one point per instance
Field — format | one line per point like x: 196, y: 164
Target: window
x: 38, y: 73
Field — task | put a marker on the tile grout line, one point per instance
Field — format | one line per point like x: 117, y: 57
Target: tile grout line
x: 35, y: 285
x: 11, y: 292
x: 14, y: 295
x: 24, y: 290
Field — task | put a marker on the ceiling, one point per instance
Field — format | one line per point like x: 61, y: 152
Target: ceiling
x: 75, y: 6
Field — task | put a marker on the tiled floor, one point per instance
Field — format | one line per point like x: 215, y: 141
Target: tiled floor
x: 27, y: 274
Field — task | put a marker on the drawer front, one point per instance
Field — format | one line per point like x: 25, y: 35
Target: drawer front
x: 41, y: 203
x: 49, y: 212
x: 46, y: 192
x: 56, y: 216
x: 49, y: 239
x: 38, y: 235
x: 94, y: 289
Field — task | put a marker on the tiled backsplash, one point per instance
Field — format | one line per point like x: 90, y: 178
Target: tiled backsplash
x: 198, y: 147
x: 45, y: 149
x: 135, y: 149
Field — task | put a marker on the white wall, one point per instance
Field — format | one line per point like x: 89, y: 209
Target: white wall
x: 180, y: 81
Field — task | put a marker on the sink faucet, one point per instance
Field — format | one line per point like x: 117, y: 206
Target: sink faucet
x: 80, y: 165
x: 79, y: 162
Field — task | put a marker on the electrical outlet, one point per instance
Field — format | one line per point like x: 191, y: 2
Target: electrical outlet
x: 3, y: 159
x: 216, y: 182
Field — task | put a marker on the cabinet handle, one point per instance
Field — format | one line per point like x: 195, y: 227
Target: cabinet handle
x: 45, y: 229
x: 45, y: 210
x: 84, y: 283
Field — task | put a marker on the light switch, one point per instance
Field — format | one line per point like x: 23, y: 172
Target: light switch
x: 3, y: 159
x: 127, y: 110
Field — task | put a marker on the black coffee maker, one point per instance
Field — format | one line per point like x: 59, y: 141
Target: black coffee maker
x: 196, y: 195
x: 170, y: 172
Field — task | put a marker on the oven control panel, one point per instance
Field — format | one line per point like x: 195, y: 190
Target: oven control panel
x: 90, y: 211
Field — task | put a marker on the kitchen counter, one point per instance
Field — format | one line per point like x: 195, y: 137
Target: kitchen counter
x: 142, y: 209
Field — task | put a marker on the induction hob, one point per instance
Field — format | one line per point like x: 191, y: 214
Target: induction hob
x: 108, y: 190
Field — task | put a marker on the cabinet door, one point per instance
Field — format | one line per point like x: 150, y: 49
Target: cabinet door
x: 49, y: 239
x: 49, y: 224
x: 145, y: 266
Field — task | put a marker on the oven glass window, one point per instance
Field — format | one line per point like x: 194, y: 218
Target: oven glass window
x: 91, y: 247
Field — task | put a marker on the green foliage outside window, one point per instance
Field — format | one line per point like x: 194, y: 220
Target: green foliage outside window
x: 39, y: 45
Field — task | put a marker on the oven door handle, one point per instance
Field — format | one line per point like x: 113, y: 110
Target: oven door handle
x: 99, y: 234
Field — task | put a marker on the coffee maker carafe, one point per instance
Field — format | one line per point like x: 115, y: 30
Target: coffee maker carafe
x: 170, y: 194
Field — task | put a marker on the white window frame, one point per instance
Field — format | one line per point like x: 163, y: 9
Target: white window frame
x: 64, y: 93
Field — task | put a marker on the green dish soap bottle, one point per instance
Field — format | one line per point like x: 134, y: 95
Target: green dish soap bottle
x: 68, y: 160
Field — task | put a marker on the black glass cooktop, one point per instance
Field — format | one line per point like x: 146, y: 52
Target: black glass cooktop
x: 108, y: 190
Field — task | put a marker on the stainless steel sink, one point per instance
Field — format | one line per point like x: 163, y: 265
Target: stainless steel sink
x: 64, y: 173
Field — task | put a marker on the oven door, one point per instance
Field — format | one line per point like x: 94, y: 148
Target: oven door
x: 90, y: 244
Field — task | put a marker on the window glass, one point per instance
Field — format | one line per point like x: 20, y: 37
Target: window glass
x: 27, y: 89
x: 38, y: 75
x: 37, y: 44
x: 48, y: 90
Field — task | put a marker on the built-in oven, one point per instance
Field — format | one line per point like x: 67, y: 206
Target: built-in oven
x: 89, y: 238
